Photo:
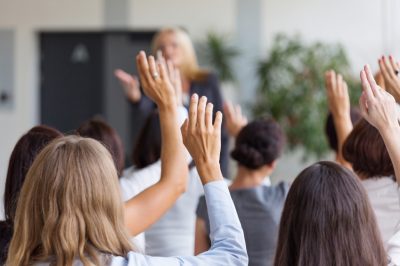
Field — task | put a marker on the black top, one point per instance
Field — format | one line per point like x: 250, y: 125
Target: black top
x: 259, y: 210
x: 211, y: 89
x: 5, y: 238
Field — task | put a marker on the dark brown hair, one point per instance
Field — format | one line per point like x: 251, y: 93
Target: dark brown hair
x: 328, y: 220
x: 330, y: 129
x: 365, y: 150
x: 25, y: 151
x: 147, y: 149
x: 98, y: 129
x: 259, y: 143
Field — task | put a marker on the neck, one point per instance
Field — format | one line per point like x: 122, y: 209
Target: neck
x: 248, y: 178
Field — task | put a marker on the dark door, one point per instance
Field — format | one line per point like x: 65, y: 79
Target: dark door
x: 71, y: 84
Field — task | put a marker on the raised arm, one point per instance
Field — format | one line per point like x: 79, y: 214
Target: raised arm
x: 148, y: 206
x: 234, y: 119
x: 339, y: 106
x: 379, y: 108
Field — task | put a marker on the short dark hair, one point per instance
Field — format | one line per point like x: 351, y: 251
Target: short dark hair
x: 147, y: 149
x: 21, y: 159
x: 96, y: 128
x: 259, y: 143
x: 328, y: 220
x: 365, y: 150
x: 330, y: 129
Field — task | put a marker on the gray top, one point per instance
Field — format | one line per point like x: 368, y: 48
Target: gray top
x: 259, y: 210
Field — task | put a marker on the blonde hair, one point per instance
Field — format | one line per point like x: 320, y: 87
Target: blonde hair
x: 190, y: 67
x: 70, y: 207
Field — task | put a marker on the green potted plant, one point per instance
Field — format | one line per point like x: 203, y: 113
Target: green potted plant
x: 291, y: 89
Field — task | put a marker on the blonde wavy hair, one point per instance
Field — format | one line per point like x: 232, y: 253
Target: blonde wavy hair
x: 70, y: 207
x: 190, y: 67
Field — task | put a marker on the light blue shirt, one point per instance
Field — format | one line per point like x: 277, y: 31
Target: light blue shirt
x: 227, y: 241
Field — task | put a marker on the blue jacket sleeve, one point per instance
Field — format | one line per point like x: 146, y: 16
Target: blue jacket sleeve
x: 227, y: 240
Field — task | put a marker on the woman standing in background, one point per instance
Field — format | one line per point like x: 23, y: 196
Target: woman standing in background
x: 177, y: 48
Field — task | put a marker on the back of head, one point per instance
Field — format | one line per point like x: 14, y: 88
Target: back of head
x: 70, y: 206
x: 365, y: 150
x: 25, y: 151
x: 330, y: 129
x: 99, y: 130
x: 147, y: 149
x: 327, y: 220
x: 259, y: 143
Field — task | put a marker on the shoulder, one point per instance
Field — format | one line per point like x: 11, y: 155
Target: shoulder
x: 277, y: 192
x: 209, y: 79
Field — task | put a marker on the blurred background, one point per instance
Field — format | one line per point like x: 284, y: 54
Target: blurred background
x: 57, y: 59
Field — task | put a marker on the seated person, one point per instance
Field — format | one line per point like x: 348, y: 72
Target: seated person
x: 258, y: 204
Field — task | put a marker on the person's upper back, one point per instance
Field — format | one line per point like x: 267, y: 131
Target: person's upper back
x: 259, y: 210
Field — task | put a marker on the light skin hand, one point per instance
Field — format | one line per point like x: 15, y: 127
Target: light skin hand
x: 379, y: 108
x: 234, y: 119
x: 202, y: 138
x: 174, y: 76
x: 153, y: 202
x: 130, y: 84
x: 339, y: 106
x: 388, y: 68
x: 158, y: 89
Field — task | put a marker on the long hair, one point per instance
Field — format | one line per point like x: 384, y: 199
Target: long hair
x: 21, y: 159
x: 147, y: 149
x: 98, y: 129
x: 190, y: 67
x: 70, y: 207
x: 328, y: 220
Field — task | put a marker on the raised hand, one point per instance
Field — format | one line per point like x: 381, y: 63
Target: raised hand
x: 174, y: 76
x: 155, y: 81
x: 339, y: 106
x: 338, y: 95
x: 377, y: 106
x: 130, y: 84
x: 202, y: 138
x: 390, y: 71
x: 234, y: 119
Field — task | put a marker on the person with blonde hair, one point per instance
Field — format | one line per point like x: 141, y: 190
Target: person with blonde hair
x: 70, y: 209
x: 175, y: 45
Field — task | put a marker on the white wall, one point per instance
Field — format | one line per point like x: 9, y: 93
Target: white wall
x: 26, y: 18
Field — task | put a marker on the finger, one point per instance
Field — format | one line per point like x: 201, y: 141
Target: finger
x: 209, y: 115
x: 184, y: 128
x: 153, y: 67
x: 193, y: 112
x: 159, y: 56
x: 394, y: 65
x: 363, y: 104
x: 389, y: 66
x: 339, y: 82
x: 201, y: 110
x: 382, y: 67
x: 228, y: 110
x: 218, y: 121
x: 171, y: 71
x: 162, y: 71
x: 143, y: 68
x: 371, y: 80
x: 366, y: 86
